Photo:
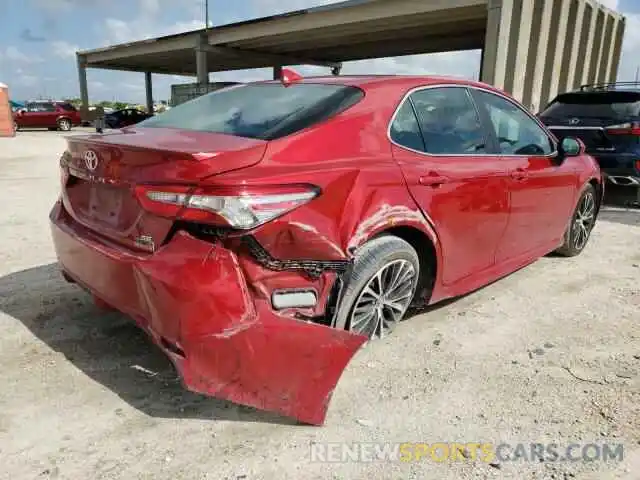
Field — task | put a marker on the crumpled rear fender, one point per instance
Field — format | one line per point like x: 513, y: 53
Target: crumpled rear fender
x: 191, y: 296
x: 274, y: 364
x: 232, y: 346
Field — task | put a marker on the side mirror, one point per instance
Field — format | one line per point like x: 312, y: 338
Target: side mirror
x: 570, y: 147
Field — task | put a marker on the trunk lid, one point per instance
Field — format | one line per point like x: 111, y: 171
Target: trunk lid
x: 101, y: 172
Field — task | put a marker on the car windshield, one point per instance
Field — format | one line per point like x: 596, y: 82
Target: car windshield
x: 595, y: 105
x: 263, y: 111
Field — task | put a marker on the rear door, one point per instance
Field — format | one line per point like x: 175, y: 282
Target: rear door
x: 542, y: 190
x: 69, y: 111
x: 454, y: 175
x: 46, y: 115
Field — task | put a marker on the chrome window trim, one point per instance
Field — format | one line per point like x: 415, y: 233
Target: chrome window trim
x: 467, y: 87
x: 561, y: 127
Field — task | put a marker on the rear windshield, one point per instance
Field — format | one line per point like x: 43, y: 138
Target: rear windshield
x: 595, y: 105
x: 67, y: 106
x: 262, y: 111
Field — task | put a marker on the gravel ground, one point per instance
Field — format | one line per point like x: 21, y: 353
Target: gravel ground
x: 550, y: 354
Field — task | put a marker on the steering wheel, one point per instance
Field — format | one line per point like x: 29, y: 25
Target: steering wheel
x: 472, y: 146
x: 530, y: 149
x: 506, y: 140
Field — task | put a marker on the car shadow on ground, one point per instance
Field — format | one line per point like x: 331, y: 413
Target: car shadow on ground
x: 109, y: 348
x: 629, y: 216
x: 621, y: 205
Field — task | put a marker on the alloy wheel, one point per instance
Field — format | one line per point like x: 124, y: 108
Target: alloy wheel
x: 65, y: 125
x: 584, y: 221
x: 384, y: 300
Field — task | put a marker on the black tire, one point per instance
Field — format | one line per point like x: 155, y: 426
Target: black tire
x: 386, y: 255
x: 64, y: 124
x: 579, y: 230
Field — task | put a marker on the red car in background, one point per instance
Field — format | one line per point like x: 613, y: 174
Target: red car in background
x: 262, y: 233
x: 52, y: 115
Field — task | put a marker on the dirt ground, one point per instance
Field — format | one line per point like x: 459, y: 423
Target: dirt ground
x: 550, y: 354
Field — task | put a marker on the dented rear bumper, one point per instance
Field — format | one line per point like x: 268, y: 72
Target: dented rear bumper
x: 193, y: 299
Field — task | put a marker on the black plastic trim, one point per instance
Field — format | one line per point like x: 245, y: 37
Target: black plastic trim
x: 313, y: 268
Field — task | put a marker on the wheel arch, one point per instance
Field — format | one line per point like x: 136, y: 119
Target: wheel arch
x: 428, y: 256
x: 425, y: 243
x: 599, y: 186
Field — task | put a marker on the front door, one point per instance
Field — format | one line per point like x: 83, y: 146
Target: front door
x: 28, y: 117
x: 445, y: 156
x: 40, y: 114
x: 542, y: 190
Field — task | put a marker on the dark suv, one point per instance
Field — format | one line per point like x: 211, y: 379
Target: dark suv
x: 606, y: 117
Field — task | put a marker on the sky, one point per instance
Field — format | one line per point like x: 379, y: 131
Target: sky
x: 39, y: 38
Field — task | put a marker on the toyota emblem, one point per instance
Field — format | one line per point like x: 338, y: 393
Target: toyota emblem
x: 574, y: 121
x: 91, y: 160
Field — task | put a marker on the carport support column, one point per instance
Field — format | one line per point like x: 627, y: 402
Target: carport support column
x: 202, y: 67
x: 535, y: 49
x: 84, y: 91
x: 148, y: 87
x: 488, y: 67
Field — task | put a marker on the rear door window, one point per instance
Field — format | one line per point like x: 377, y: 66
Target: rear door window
x: 67, y: 106
x: 605, y: 105
x: 405, y: 130
x: 42, y: 107
x: 263, y: 111
x: 449, y: 121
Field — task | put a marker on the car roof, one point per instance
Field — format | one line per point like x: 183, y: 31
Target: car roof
x: 401, y: 81
x: 591, y: 93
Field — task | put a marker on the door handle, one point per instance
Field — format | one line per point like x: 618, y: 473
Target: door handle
x: 432, y: 180
x: 519, y: 174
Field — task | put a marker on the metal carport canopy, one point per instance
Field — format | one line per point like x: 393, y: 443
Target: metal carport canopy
x: 352, y: 30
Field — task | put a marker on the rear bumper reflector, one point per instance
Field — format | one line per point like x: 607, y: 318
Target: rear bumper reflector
x: 293, y: 299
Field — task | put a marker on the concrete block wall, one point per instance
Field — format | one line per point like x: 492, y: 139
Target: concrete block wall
x: 535, y: 49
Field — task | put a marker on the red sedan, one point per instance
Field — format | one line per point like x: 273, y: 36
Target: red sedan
x: 262, y: 233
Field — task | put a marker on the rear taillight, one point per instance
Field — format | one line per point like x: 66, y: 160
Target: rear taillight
x: 242, y: 207
x: 630, y: 128
x: 64, y: 169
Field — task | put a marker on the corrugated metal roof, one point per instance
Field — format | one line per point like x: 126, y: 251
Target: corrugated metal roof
x: 351, y: 30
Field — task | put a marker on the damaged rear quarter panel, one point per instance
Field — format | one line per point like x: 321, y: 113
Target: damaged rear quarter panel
x: 363, y: 191
x: 274, y: 362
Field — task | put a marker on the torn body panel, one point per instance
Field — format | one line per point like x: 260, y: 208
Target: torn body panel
x: 355, y: 206
x: 285, y: 366
x: 191, y: 296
